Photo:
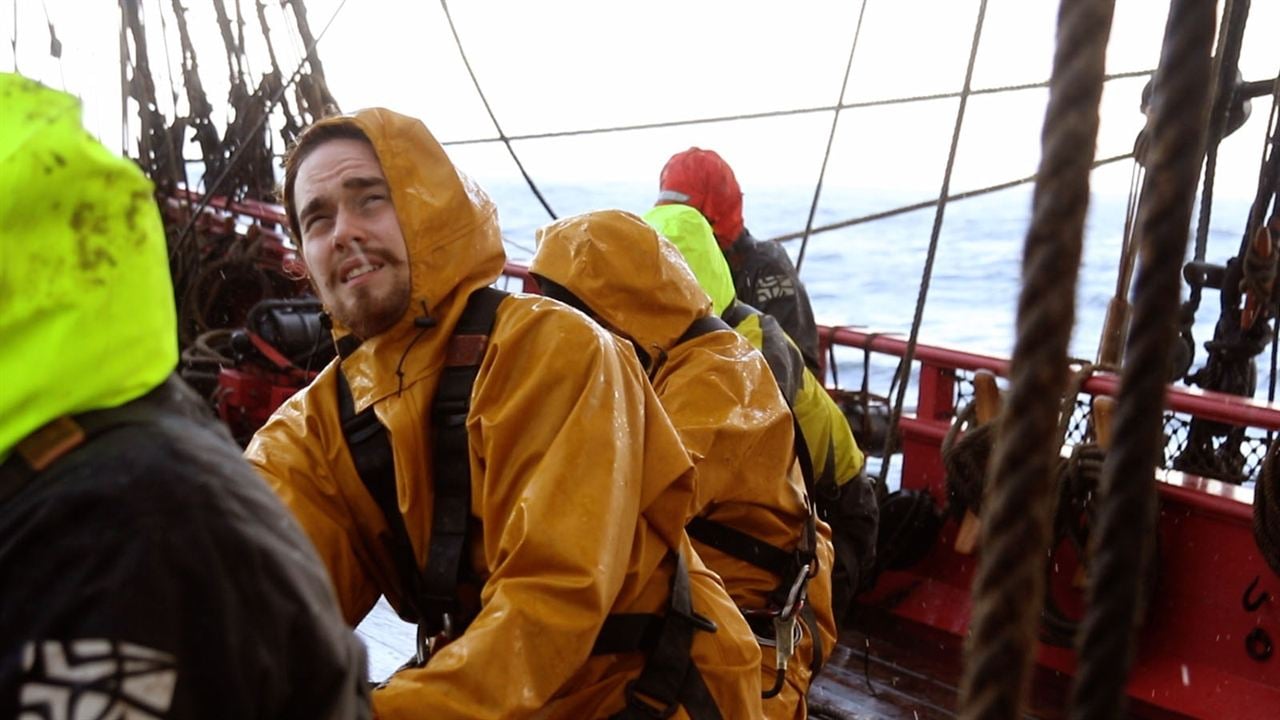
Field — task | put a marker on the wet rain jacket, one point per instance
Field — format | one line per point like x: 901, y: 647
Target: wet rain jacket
x: 578, y: 480
x: 146, y: 569
x: 836, y: 456
x: 844, y: 495
x: 721, y: 397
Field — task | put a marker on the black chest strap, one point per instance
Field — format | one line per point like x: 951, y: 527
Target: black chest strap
x: 788, y: 601
x: 431, y: 594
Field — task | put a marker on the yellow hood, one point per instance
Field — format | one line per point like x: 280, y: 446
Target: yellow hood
x: 693, y: 237
x: 631, y: 277
x: 454, y: 245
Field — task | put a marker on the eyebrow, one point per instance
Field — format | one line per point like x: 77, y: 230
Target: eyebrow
x: 354, y: 183
x: 359, y: 183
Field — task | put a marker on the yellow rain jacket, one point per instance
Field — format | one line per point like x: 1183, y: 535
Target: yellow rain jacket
x: 722, y: 399
x: 578, y: 480
x: 836, y: 456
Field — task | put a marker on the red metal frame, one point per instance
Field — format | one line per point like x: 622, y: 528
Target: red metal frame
x: 1191, y: 658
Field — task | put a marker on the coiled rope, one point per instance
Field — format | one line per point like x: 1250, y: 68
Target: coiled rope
x: 1266, y: 509
x: 1009, y: 584
x: 1123, y: 536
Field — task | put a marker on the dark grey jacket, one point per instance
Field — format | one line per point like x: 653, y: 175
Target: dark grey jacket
x: 764, y: 278
x: 151, y: 571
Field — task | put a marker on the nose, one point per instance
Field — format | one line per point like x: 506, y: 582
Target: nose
x: 347, y: 230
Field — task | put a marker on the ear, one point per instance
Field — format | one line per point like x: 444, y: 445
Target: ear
x: 294, y: 267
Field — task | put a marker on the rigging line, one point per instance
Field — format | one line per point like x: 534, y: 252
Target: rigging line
x: 904, y: 369
x: 55, y: 45
x: 1226, y: 63
x: 884, y: 102
x: 212, y: 190
x: 1128, y: 248
x: 13, y: 37
x: 493, y: 118
x: 125, y: 63
x: 1267, y: 168
x: 518, y: 246
x: 835, y: 122
x: 173, y: 94
x: 926, y: 204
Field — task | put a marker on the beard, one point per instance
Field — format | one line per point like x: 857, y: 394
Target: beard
x: 370, y: 311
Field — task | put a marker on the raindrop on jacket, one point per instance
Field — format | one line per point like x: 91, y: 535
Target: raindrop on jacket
x: 719, y: 393
x: 578, y: 480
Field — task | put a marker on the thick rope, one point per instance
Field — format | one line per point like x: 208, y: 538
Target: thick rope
x: 966, y: 450
x: 831, y: 137
x: 1008, y: 588
x: 904, y: 368
x: 1266, y: 509
x: 494, y: 118
x: 1123, y: 537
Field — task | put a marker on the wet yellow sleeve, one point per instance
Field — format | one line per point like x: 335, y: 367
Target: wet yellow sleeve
x: 826, y: 432
x: 558, y: 444
x: 288, y: 453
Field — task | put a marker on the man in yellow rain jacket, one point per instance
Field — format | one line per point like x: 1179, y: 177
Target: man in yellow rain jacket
x: 564, y: 528
x: 750, y: 512
x: 846, y: 498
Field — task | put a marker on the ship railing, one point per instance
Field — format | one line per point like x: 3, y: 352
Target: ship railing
x: 943, y: 383
x: 943, y: 378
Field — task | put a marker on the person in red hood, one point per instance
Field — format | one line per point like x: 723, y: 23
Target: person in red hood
x: 763, y: 275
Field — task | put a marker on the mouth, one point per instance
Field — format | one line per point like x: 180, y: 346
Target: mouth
x: 358, y: 271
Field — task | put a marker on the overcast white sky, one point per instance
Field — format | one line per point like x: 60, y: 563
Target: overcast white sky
x: 570, y: 64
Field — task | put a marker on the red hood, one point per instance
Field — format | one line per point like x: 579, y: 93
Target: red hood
x: 703, y: 180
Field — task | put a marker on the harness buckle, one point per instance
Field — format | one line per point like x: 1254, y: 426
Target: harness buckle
x: 429, y: 645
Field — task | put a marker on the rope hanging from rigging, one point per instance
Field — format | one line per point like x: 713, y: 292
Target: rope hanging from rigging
x: 1123, y: 537
x: 904, y: 368
x: 211, y: 190
x: 1008, y: 587
x: 494, y: 118
x: 826, y: 155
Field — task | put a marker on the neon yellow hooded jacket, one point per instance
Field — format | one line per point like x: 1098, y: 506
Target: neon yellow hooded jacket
x: 86, y: 304
x: 577, y: 478
x: 825, y: 428
x: 721, y: 397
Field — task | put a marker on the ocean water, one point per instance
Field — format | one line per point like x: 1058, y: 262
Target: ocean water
x: 869, y: 276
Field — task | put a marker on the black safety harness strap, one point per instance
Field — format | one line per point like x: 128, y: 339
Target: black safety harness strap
x: 431, y: 593
x: 669, y: 679
x: 788, y: 566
